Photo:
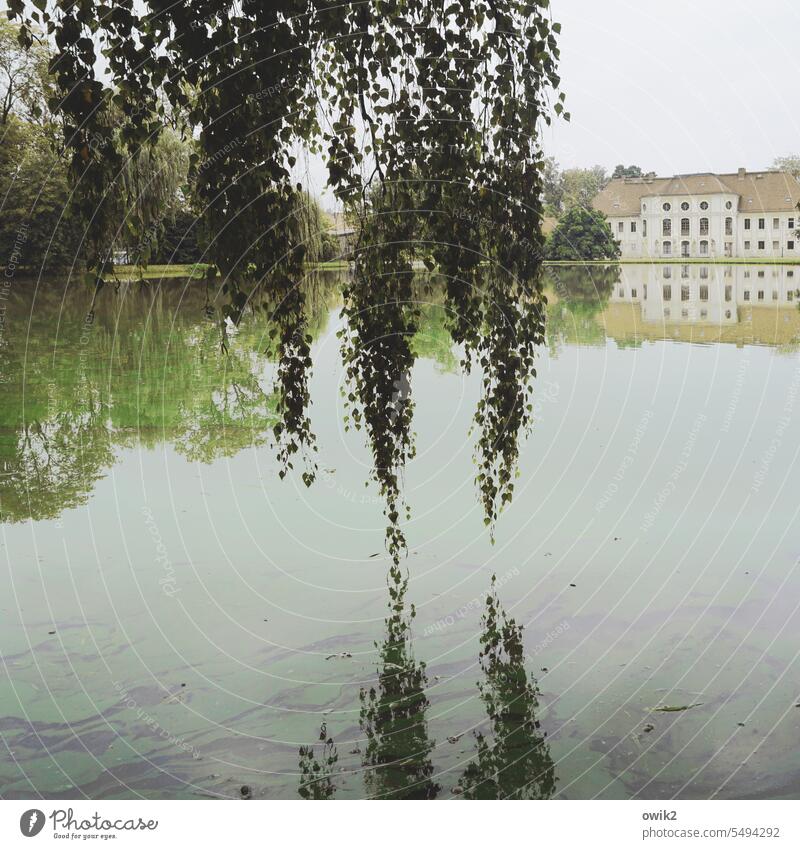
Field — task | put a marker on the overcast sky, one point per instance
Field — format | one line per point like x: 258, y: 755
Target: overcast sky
x: 678, y: 86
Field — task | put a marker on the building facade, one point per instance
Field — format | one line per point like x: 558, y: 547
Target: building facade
x: 751, y: 215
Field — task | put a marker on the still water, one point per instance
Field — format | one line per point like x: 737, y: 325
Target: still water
x: 177, y: 622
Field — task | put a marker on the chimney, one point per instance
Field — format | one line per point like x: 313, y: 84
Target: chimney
x: 742, y: 173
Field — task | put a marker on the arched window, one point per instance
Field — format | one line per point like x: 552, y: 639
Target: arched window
x: 684, y: 249
x: 703, y: 248
x: 703, y: 226
x: 667, y: 227
x: 667, y: 248
x: 685, y: 227
x: 728, y: 226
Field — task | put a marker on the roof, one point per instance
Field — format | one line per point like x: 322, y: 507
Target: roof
x: 758, y: 191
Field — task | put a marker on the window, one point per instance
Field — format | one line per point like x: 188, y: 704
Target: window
x: 774, y: 294
x: 760, y: 275
x: 729, y: 205
x: 667, y: 207
x: 667, y: 248
x: 667, y: 272
x: 684, y: 249
x: 728, y: 226
x: 704, y: 273
x: 666, y: 312
x: 776, y: 224
x: 747, y: 272
x: 644, y: 228
x: 776, y: 246
x: 667, y: 292
x: 633, y: 226
x: 685, y: 206
x: 747, y: 246
x: 703, y: 313
x: 790, y: 245
x: 703, y: 248
x: 728, y: 293
x: 704, y: 293
x: 747, y: 224
x: 667, y: 227
x: 684, y: 272
x: 762, y: 246
x: 621, y: 227
x: 685, y: 227
x: 703, y: 226
x: 760, y: 294
x: 621, y: 292
x: 790, y: 273
x: 762, y: 223
x: 747, y: 294
x: 727, y: 313
x: 633, y: 293
x: 704, y: 205
x: 791, y: 223
x: 684, y: 313
x: 684, y: 293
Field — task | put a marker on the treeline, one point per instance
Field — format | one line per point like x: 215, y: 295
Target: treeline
x: 43, y: 229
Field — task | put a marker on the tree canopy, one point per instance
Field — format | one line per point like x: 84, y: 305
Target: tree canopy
x: 622, y: 171
x: 582, y: 234
x: 422, y: 100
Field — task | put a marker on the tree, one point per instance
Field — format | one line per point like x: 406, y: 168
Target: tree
x: 383, y: 89
x: 552, y: 187
x: 582, y: 234
x: 790, y: 163
x: 622, y: 171
x: 582, y: 185
x: 24, y: 80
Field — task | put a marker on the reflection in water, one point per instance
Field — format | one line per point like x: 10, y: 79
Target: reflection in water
x: 742, y: 304
x: 393, y: 712
x: 511, y: 759
x: 83, y: 379
x: 316, y: 774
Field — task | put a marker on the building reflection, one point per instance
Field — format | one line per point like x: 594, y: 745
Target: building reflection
x: 693, y: 302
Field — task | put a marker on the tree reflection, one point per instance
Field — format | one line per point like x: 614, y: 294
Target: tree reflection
x: 576, y: 295
x: 393, y: 711
x: 84, y: 377
x: 512, y: 758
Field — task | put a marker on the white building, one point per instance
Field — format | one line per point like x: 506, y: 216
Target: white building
x: 705, y: 216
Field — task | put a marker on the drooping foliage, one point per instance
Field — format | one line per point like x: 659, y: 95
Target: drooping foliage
x: 431, y: 110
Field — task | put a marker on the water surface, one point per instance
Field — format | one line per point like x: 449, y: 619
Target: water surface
x: 177, y: 622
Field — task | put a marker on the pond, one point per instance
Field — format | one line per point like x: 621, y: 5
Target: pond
x: 177, y: 622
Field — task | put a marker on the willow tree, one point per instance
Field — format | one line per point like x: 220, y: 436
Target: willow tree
x: 431, y: 108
